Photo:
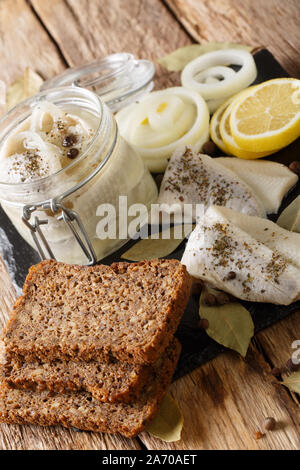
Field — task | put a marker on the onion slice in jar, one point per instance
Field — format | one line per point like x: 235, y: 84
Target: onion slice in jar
x: 163, y: 121
x: 28, y: 140
x: 24, y: 150
x: 44, y: 115
x: 231, y: 83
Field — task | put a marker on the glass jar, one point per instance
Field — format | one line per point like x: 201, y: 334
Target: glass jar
x: 119, y: 79
x: 57, y: 214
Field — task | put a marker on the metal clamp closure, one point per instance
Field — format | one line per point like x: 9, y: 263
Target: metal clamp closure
x: 70, y: 217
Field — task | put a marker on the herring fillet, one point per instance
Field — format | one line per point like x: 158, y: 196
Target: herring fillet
x: 264, y: 257
x: 270, y: 234
x: 270, y: 181
x: 199, y: 180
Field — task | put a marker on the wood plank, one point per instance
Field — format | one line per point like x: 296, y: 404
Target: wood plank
x: 24, y: 42
x: 7, y: 294
x: 276, y: 344
x: 270, y: 24
x: 146, y: 29
x: 225, y: 402
x: 277, y: 340
x: 15, y: 437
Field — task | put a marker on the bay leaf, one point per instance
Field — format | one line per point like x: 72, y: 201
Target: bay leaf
x: 230, y: 324
x: 290, y: 217
x: 24, y: 87
x: 150, y: 248
x: 293, y: 382
x: 167, y: 424
x: 178, y: 59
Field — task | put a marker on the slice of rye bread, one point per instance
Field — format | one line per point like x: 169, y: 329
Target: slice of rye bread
x: 83, y: 411
x: 113, y: 381
x: 128, y: 311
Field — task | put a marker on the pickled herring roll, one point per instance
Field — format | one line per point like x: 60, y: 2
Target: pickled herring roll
x: 44, y: 144
x: 163, y: 121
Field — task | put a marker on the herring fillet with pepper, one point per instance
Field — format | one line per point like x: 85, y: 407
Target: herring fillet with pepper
x: 197, y: 179
x: 264, y: 257
x: 270, y: 181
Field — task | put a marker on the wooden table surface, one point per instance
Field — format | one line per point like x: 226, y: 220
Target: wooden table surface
x: 225, y: 401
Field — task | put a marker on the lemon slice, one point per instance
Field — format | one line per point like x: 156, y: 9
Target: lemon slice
x: 214, y: 127
x: 267, y: 117
x: 225, y: 131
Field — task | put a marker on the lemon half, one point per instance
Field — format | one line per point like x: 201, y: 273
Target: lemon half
x: 225, y: 131
x: 267, y: 117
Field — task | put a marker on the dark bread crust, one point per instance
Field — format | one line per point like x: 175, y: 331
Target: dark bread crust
x: 107, y: 382
x: 81, y: 410
x: 130, y: 312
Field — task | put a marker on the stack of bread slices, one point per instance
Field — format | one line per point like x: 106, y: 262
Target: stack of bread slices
x: 93, y: 347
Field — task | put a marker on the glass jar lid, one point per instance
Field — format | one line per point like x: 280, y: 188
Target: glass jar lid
x: 119, y: 79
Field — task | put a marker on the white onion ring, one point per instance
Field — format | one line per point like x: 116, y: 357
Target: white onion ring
x: 180, y: 126
x: 159, y: 121
x: 161, y: 127
x: 231, y: 84
x: 215, y: 74
x: 159, y: 165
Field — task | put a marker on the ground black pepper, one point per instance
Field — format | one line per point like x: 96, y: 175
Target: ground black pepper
x: 189, y: 176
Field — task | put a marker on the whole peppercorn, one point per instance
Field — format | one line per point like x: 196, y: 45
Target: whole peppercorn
x: 69, y: 140
x: 295, y: 167
x: 292, y: 366
x: 231, y: 275
x: 269, y: 424
x: 210, y: 148
x: 72, y: 153
x: 209, y: 299
x: 203, y: 323
x: 222, y: 298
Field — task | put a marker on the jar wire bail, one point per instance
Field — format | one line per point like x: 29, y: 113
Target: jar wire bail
x: 70, y: 217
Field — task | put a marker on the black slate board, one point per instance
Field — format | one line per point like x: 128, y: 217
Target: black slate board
x: 197, y: 347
